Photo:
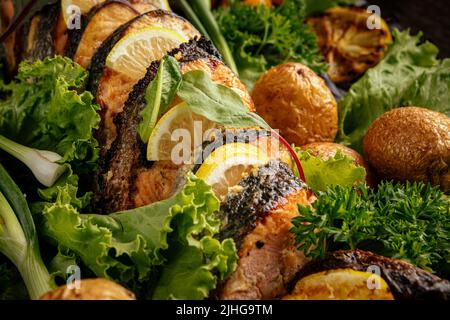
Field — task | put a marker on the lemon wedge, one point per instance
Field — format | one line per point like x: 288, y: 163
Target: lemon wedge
x: 133, y: 53
x: 179, y: 125
x: 226, y: 166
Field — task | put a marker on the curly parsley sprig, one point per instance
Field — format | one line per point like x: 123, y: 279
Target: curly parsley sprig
x: 261, y: 37
x: 405, y: 221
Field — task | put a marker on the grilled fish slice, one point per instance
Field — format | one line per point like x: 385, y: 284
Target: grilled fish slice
x: 38, y: 34
x: 10, y: 48
x: 98, y: 25
x: 111, y: 88
x: 126, y: 180
x: 63, y: 35
x: 258, y: 218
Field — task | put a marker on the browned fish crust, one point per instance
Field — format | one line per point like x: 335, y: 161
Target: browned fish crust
x: 259, y: 195
x: 259, y: 218
x: 38, y: 34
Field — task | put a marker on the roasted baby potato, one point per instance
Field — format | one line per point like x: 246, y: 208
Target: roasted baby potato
x: 357, y: 274
x: 293, y: 99
x: 91, y: 289
x: 327, y: 150
x: 411, y: 144
x: 349, y: 46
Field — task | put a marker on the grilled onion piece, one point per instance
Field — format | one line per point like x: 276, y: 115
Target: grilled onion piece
x: 349, y: 46
x: 405, y: 281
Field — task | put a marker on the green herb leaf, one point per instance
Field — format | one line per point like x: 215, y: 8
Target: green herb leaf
x: 261, y: 37
x: 159, y: 95
x: 216, y: 102
x: 409, y: 222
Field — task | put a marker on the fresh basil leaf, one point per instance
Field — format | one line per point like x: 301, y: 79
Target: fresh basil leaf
x: 159, y: 95
x: 216, y: 102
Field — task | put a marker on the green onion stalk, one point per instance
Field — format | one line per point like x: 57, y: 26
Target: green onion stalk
x: 18, y: 238
x: 42, y: 163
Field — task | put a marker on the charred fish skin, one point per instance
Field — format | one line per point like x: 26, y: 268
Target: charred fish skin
x: 260, y: 194
x: 42, y: 32
x: 127, y: 156
x: 75, y: 35
x: 406, y: 281
x: 258, y: 216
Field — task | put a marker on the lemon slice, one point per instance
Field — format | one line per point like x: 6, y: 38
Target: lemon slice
x: 133, y: 53
x: 178, y: 129
x: 229, y: 164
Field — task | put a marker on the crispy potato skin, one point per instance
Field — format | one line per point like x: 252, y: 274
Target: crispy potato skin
x: 341, y: 284
x: 411, y: 144
x: 91, y: 289
x: 293, y: 99
x: 327, y: 150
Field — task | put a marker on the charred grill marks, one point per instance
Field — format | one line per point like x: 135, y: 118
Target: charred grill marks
x: 261, y: 193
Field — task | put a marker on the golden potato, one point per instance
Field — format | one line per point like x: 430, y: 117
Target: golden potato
x: 411, y: 144
x: 293, y: 99
x: 327, y: 150
x: 91, y: 289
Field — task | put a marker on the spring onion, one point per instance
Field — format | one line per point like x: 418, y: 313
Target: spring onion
x: 18, y: 237
x: 42, y: 163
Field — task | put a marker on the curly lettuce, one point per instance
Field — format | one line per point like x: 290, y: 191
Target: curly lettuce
x: 47, y: 108
x: 150, y: 246
x: 339, y: 170
x: 409, y: 75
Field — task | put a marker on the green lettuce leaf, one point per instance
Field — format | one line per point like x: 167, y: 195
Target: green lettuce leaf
x: 133, y: 247
x: 409, y: 75
x: 187, y: 276
x: 47, y: 108
x: 339, y: 170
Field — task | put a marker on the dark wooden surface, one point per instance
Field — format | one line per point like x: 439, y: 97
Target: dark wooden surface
x: 432, y: 17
